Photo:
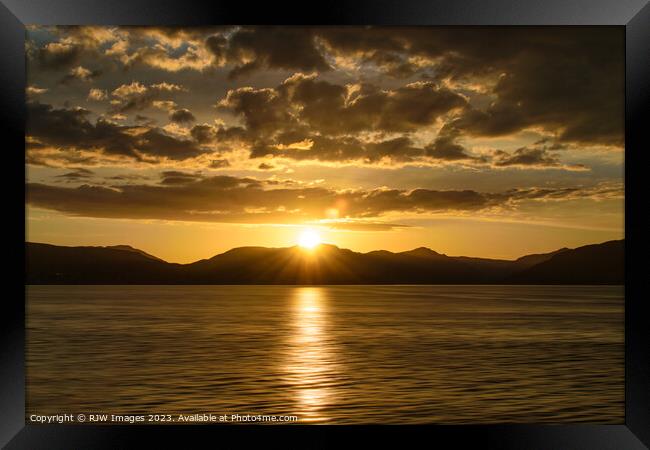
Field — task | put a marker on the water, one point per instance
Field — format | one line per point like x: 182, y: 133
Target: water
x: 337, y: 354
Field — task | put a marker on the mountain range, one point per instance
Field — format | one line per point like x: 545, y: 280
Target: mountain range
x: 591, y: 264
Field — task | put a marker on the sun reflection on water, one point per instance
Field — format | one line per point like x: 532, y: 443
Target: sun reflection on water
x: 311, y: 360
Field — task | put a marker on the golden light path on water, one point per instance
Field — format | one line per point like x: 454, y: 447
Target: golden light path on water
x: 311, y: 364
x: 335, y: 354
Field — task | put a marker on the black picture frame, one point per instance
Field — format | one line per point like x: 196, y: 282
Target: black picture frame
x: 633, y: 15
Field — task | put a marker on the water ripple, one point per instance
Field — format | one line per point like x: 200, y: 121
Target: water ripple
x: 339, y: 354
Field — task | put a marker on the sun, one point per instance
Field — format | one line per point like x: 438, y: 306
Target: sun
x: 309, y: 239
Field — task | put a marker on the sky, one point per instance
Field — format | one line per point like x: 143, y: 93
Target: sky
x: 186, y: 142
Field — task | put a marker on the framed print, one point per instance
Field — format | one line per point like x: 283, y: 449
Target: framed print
x: 414, y: 219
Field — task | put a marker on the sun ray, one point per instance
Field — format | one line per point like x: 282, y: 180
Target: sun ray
x: 309, y: 239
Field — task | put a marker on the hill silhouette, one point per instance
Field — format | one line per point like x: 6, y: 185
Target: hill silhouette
x: 328, y: 264
x: 580, y: 266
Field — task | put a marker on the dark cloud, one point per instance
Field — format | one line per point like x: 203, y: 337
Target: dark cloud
x: 549, y: 144
x: 144, y: 120
x: 327, y: 107
x: 172, y: 177
x: 71, y: 129
x: 343, y: 149
x: 206, y: 134
x: 330, y: 108
x: 57, y: 56
x: 72, y: 45
x: 182, y: 116
x: 265, y: 166
x: 219, y: 163
x: 569, y: 81
x: 566, y: 83
x: 531, y: 157
x: 77, y: 174
x: 127, y: 177
x: 307, y: 118
x: 246, y: 200
x: 171, y: 49
x: 59, y: 127
x: 263, y: 110
x: 203, y: 133
x: 399, y: 149
x: 445, y: 148
x: 402, y: 150
x: 525, y: 157
x: 218, y: 46
x: 255, y: 48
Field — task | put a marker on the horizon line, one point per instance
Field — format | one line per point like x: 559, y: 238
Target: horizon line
x: 112, y: 247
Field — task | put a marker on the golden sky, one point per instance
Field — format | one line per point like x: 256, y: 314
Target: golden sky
x: 186, y: 142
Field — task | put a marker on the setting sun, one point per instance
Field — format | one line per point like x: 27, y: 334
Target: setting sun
x: 309, y: 239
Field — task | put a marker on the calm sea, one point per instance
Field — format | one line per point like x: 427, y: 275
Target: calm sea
x: 336, y: 354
